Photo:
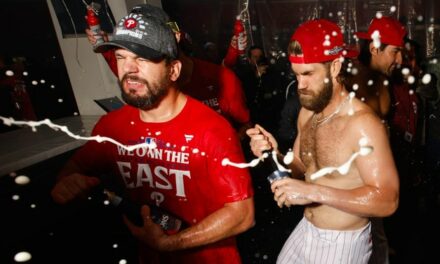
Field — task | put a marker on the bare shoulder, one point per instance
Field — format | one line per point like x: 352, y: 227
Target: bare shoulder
x: 366, y: 122
x: 365, y: 116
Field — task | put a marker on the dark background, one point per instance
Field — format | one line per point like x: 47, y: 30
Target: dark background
x: 86, y: 233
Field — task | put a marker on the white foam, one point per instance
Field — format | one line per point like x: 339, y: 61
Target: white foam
x: 22, y: 256
x: 22, y: 180
x: 344, y: 168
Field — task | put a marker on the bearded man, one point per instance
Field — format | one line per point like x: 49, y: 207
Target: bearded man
x: 334, y: 128
x: 182, y: 171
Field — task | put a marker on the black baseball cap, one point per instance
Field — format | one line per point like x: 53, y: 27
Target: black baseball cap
x: 144, y: 33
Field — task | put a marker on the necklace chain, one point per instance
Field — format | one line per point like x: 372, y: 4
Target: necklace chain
x: 317, y: 122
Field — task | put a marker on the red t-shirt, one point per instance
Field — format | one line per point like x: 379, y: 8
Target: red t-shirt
x: 184, y: 172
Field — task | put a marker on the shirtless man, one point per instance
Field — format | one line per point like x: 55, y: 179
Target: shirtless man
x: 336, y: 225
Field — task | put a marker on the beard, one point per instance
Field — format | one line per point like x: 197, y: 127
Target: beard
x: 154, y: 93
x: 317, y: 102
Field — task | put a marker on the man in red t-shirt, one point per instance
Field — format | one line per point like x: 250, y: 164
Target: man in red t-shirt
x: 214, y: 85
x: 179, y: 167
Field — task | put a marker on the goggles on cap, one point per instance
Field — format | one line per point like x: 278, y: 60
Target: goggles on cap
x: 321, y: 40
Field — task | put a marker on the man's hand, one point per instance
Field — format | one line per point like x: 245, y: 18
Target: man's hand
x: 234, y: 42
x: 261, y: 140
x: 73, y: 186
x: 288, y: 191
x: 150, y: 233
x: 92, y: 38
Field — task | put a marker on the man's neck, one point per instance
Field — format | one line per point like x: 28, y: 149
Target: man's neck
x: 339, y: 96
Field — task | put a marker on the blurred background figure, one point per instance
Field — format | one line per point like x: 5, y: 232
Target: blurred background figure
x: 264, y: 88
x: 211, y: 52
x: 287, y: 128
x: 380, y: 54
x: 14, y: 82
x: 407, y: 123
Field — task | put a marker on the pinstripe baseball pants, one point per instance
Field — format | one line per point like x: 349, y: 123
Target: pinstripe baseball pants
x: 309, y: 244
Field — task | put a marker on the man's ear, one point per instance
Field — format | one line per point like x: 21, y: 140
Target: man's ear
x: 176, y: 67
x: 335, y: 67
x: 373, y: 49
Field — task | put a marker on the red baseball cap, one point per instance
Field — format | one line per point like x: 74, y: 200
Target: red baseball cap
x: 390, y: 31
x: 321, y: 40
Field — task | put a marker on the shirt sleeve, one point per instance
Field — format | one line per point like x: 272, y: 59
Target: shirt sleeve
x: 232, y: 98
x: 231, y: 183
x: 92, y: 156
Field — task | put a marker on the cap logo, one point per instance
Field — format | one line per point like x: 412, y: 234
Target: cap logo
x: 144, y: 33
x: 130, y: 23
x: 333, y: 51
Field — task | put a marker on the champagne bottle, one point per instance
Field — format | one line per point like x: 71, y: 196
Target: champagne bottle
x: 94, y: 25
x: 239, y: 32
x: 169, y: 223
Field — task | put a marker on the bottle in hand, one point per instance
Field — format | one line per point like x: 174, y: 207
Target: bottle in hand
x: 94, y: 25
x: 169, y: 223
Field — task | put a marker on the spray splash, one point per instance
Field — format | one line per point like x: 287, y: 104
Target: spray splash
x: 344, y: 168
x: 47, y: 122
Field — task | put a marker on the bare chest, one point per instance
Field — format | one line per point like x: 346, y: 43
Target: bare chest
x: 324, y: 145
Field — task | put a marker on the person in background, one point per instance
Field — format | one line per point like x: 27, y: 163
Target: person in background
x: 287, y: 126
x: 406, y: 125
x: 286, y: 129
x: 332, y: 125
x: 380, y: 55
x: 214, y: 85
x: 408, y: 122
x: 184, y: 165
x: 15, y: 85
x: 264, y: 88
x: 210, y: 52
x: 235, y: 51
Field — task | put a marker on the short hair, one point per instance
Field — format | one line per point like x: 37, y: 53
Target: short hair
x: 294, y: 48
x: 364, y: 51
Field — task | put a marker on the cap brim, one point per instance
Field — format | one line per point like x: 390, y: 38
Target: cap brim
x: 346, y: 53
x: 362, y: 35
x: 140, y: 50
